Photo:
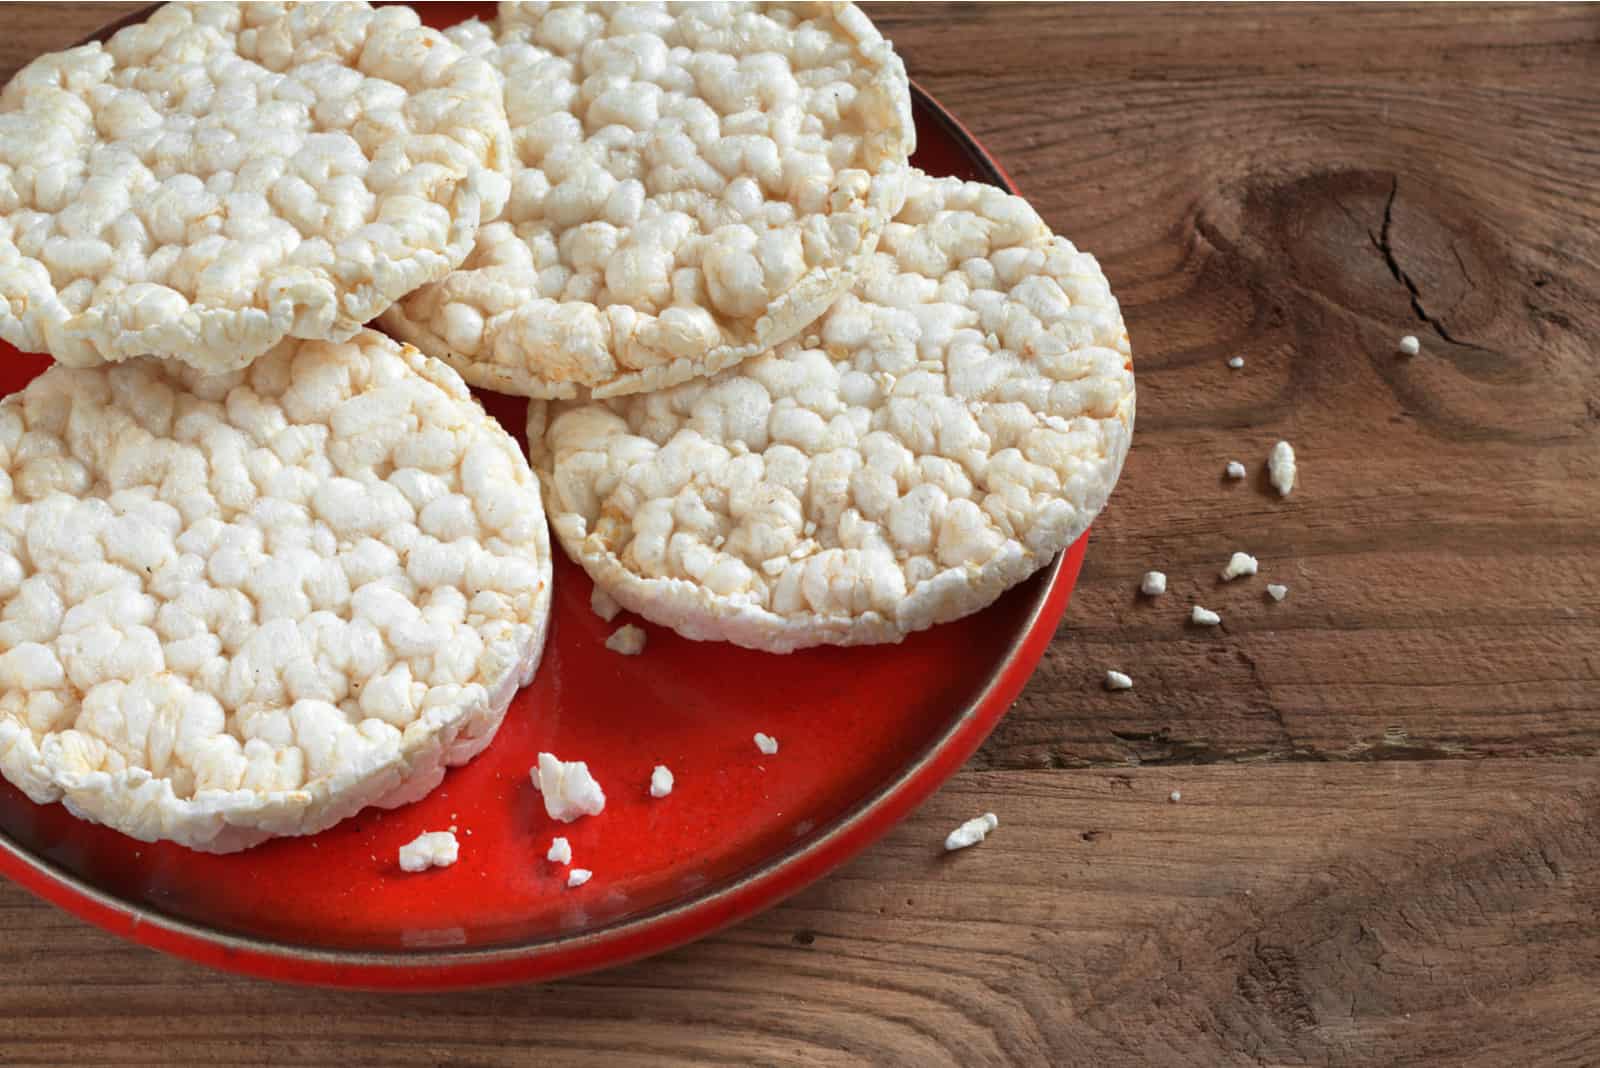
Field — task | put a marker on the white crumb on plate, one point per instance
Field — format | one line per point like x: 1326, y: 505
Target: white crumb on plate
x: 1235, y: 469
x: 971, y: 832
x: 604, y: 605
x: 568, y: 788
x: 660, y: 781
x: 627, y: 640
x: 1239, y: 565
x: 766, y: 743
x: 1236, y: 363
x: 1116, y: 680
x: 560, y: 851
x: 1154, y: 584
x: 431, y: 849
x: 1281, y: 464
x: 1204, y: 616
x: 1410, y: 345
x: 1174, y: 797
x: 1277, y: 591
x: 579, y: 876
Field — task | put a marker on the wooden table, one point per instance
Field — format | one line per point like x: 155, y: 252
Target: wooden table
x: 1388, y: 844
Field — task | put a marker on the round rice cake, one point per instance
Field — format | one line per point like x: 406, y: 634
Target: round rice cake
x: 252, y: 604
x: 225, y: 175
x: 950, y: 425
x: 694, y: 184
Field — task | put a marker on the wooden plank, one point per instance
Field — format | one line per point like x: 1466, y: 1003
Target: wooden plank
x: 1286, y: 914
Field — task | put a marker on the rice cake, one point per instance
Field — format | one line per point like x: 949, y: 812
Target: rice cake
x: 244, y: 605
x: 695, y: 183
x: 225, y: 175
x: 947, y: 428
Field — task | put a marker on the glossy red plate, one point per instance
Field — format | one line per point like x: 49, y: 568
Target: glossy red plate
x: 865, y: 735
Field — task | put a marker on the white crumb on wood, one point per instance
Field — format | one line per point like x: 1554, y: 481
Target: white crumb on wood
x: 1236, y: 363
x: 1277, y: 591
x: 1410, y: 345
x: 971, y: 832
x: 1204, y: 616
x: 627, y: 640
x: 1174, y: 797
x: 1235, y: 469
x: 1239, y: 565
x: 1154, y: 584
x: 1281, y: 464
x: 1116, y: 680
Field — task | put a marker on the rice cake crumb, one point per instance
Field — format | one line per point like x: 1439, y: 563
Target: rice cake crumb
x: 1281, y: 464
x: 766, y: 743
x: 1239, y: 565
x: 1236, y: 363
x: 1410, y: 345
x: 1154, y: 584
x: 1205, y: 617
x: 568, y: 788
x: 431, y: 849
x: 560, y: 851
x: 627, y: 640
x: 1235, y: 469
x: 1116, y: 680
x: 971, y: 832
x: 661, y: 781
x: 1277, y: 591
x: 579, y: 876
x: 1175, y: 797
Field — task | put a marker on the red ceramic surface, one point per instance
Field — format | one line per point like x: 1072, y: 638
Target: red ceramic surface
x: 865, y: 735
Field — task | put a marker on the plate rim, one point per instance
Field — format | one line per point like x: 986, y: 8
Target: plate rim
x: 626, y: 940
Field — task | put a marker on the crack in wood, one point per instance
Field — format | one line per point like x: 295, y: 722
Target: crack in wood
x: 1385, y: 247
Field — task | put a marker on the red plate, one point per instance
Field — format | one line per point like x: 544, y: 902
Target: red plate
x: 866, y: 734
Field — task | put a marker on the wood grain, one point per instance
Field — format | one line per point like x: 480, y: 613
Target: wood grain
x: 1276, y: 914
x: 1388, y: 844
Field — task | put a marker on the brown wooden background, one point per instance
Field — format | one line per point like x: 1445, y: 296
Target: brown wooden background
x: 1388, y: 847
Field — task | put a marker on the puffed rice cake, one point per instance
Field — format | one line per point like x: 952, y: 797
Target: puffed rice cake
x: 948, y: 426
x: 251, y: 604
x: 225, y: 175
x: 695, y: 184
